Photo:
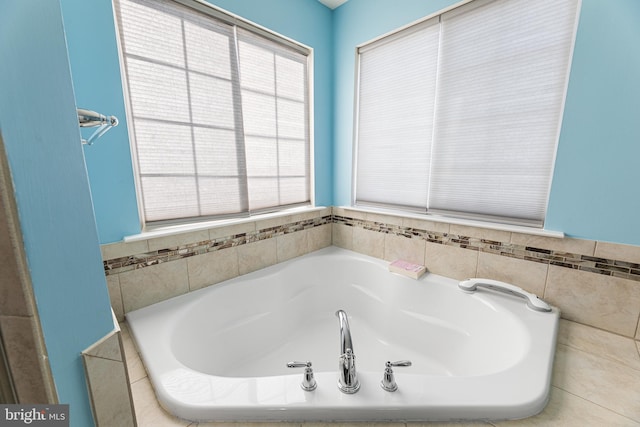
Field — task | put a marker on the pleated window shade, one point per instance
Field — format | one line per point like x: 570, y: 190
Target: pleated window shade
x: 218, y: 114
x: 468, y: 125
x: 397, y: 87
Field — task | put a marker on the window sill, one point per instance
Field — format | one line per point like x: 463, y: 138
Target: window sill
x: 461, y: 221
x: 170, y: 230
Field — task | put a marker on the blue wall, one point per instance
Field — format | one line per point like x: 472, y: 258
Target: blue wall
x: 39, y: 125
x: 595, y: 192
x: 96, y: 76
x: 95, y: 69
x: 592, y: 195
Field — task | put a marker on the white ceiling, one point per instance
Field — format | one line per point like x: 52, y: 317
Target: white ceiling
x: 332, y: 4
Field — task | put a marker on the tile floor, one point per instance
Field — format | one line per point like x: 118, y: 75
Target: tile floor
x: 596, y: 382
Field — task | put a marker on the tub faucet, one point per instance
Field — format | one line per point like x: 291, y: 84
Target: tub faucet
x: 347, y: 377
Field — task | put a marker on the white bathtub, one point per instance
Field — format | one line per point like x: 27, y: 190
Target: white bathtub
x: 220, y: 353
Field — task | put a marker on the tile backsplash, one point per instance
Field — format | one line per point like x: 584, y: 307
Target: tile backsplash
x: 579, y: 256
x: 595, y: 283
x: 206, y: 243
x: 145, y: 272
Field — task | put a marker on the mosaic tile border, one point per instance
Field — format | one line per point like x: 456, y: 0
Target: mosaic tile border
x: 587, y: 263
x: 133, y: 262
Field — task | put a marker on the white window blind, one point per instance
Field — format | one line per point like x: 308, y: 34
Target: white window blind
x: 501, y: 74
x: 396, y: 99
x: 274, y: 104
x: 218, y: 115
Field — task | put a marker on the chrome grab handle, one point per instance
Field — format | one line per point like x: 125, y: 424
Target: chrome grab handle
x: 388, y: 382
x: 533, y: 302
x: 308, y: 381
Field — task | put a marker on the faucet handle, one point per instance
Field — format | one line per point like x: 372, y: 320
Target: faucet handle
x: 308, y: 381
x: 388, y: 382
x: 299, y: 365
x: 399, y: 363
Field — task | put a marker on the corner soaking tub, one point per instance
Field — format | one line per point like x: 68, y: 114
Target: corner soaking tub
x: 221, y: 353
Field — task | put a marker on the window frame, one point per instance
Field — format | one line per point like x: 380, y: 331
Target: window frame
x: 236, y: 21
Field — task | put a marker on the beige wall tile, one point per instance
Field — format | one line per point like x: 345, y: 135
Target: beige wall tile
x: 398, y: 247
x: 480, y: 233
x: 146, y: 286
x: 232, y: 230
x: 383, y: 218
x: 15, y: 293
x: 351, y: 213
x: 212, y: 267
x: 273, y: 222
x: 178, y: 240
x: 574, y: 246
x: 148, y: 411
x: 327, y: 210
x: 601, y: 381
x: 319, y: 237
x: 568, y: 410
x: 107, y: 381
x: 257, y: 255
x: 122, y: 249
x: 109, y: 391
x: 618, y: 252
x: 368, y: 242
x: 337, y: 210
x: 107, y: 348
x: 19, y: 345
x: 422, y: 224
x: 451, y: 261
x: 292, y: 245
x: 12, y: 297
x: 602, y: 301
x: 528, y: 275
x: 135, y: 367
x: 115, y: 296
x: 308, y: 215
x: 599, y: 343
x: 342, y: 236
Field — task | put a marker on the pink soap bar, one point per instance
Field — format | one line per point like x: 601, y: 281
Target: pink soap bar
x: 407, y: 268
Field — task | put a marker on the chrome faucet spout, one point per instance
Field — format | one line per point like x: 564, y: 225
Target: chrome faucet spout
x: 345, y: 332
x: 347, y: 376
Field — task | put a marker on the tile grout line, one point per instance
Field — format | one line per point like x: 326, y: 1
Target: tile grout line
x: 580, y: 262
x: 597, y: 404
x: 147, y: 259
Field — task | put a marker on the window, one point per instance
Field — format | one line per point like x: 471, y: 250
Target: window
x: 460, y: 114
x: 218, y: 111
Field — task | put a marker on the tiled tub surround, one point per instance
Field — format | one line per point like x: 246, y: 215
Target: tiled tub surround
x: 597, y: 369
x: 594, y: 283
x: 108, y: 381
x: 145, y: 272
